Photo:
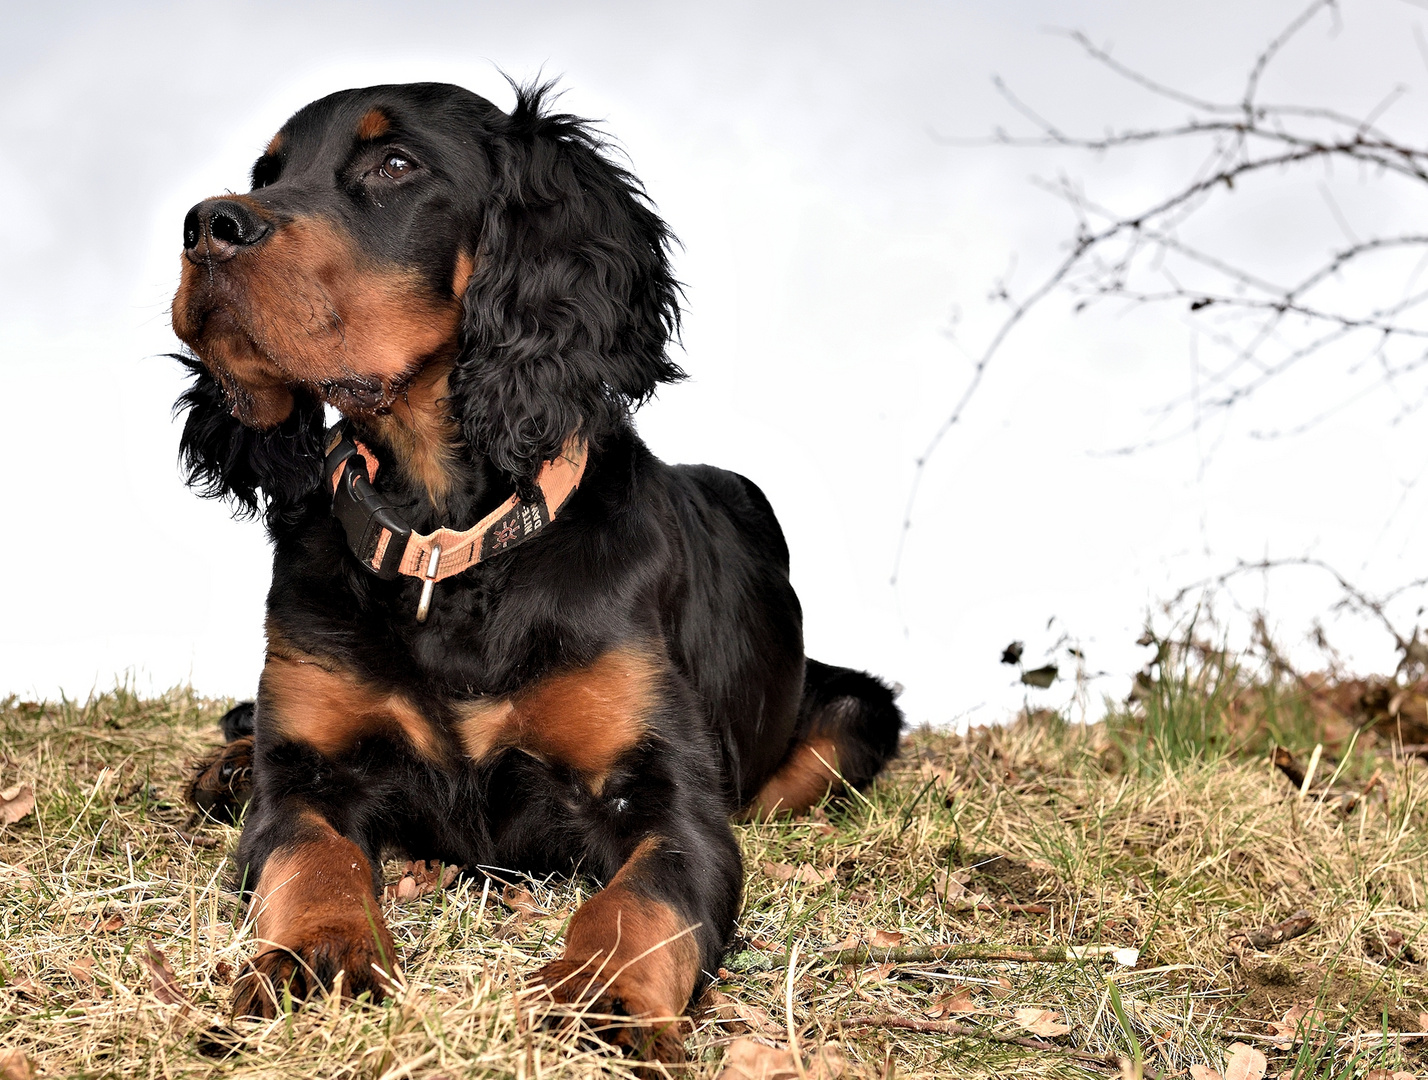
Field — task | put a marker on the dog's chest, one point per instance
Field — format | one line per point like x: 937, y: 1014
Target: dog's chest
x: 585, y: 718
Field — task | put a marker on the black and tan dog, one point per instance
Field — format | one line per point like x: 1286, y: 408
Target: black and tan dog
x: 500, y: 632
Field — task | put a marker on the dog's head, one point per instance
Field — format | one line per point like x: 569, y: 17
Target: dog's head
x: 394, y: 228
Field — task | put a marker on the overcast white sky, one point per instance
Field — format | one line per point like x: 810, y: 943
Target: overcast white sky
x: 830, y: 243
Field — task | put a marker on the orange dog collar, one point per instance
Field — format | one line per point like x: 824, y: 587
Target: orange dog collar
x: 385, y: 544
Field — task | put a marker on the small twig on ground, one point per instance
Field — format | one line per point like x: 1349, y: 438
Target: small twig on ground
x: 1285, y: 763
x: 1347, y: 798
x: 1015, y: 909
x: 968, y: 1031
x: 749, y: 960
x: 1298, y: 924
x: 1281, y: 1041
x: 194, y: 840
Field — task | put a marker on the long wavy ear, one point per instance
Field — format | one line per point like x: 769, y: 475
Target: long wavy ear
x: 571, y: 303
x: 222, y: 459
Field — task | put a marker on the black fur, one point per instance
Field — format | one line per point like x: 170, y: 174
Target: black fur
x: 564, y: 329
x: 222, y: 459
x: 568, y: 317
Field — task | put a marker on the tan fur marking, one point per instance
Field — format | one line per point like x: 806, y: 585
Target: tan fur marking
x: 274, y: 144
x: 316, y: 915
x: 373, y: 125
x: 306, y: 306
x: 801, y: 781
x: 419, y: 430
x: 319, y: 879
x: 465, y: 267
x: 617, y: 925
x: 629, y: 954
x: 329, y: 709
x: 584, y: 718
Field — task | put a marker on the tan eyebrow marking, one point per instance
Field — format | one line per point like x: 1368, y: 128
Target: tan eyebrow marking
x: 373, y: 125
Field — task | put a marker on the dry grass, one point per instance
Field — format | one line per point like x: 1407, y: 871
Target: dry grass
x: 1128, y: 842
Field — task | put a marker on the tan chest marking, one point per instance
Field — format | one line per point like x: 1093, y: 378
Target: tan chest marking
x: 585, y: 718
x: 330, y: 708
x: 420, y: 431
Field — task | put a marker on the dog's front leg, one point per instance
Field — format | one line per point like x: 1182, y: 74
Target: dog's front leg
x: 636, y: 952
x: 310, y: 846
x: 316, y: 913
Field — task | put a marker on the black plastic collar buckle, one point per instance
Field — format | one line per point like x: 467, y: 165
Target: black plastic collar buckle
x: 364, y: 514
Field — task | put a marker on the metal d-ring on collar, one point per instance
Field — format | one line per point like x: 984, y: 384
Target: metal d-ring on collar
x: 429, y: 583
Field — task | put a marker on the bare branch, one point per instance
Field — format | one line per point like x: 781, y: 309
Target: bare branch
x: 1135, y: 256
x: 1274, y: 47
x: 1101, y: 56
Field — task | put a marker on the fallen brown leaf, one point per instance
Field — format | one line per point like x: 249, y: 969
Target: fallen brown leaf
x: 1204, y: 1072
x: 1246, y: 1063
x: 1297, y: 1022
x: 107, y: 926
x: 14, y: 1065
x: 827, y: 1063
x: 1390, y: 944
x: 420, y: 878
x: 522, y: 902
x: 749, y: 1060
x: 809, y: 874
x: 885, y: 939
x: 1002, y: 990
x: 804, y: 874
x: 15, y: 802
x: 1043, y: 1022
x: 525, y: 909
x: 82, y: 971
x: 958, y: 1001
x: 1384, y: 1074
x: 162, y: 979
x: 740, y: 1016
x: 28, y: 988
x: 951, y: 889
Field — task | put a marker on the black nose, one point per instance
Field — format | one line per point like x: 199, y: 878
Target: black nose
x: 217, y: 229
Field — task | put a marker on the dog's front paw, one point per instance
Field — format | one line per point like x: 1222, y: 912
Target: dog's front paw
x: 223, y: 781
x: 611, y: 1005
x: 299, y: 971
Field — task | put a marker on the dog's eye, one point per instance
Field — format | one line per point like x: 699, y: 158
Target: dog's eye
x: 396, y: 165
